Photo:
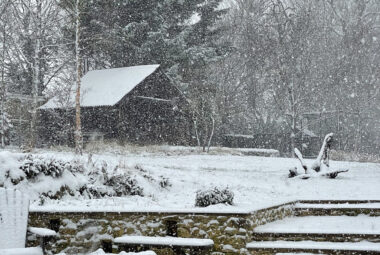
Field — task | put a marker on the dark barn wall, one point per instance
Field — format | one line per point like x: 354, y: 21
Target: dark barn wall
x: 145, y: 119
x: 136, y: 118
x: 101, y: 119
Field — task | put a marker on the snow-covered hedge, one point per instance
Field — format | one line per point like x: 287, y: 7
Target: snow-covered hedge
x: 44, y: 177
x: 214, y: 196
x: 33, y: 166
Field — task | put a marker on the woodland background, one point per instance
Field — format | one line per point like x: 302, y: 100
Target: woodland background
x: 279, y: 67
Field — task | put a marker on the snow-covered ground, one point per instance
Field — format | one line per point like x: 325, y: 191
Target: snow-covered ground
x: 257, y: 182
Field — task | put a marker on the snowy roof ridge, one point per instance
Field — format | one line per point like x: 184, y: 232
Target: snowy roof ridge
x: 105, y: 87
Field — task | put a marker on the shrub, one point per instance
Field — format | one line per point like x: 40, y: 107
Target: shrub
x: 56, y: 195
x: 77, y: 178
x: 124, y: 185
x: 164, y: 182
x: 214, y: 196
x: 105, y: 183
x: 33, y: 166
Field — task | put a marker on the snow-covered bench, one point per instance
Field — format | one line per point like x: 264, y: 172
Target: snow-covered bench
x: 135, y: 243
x: 14, y: 210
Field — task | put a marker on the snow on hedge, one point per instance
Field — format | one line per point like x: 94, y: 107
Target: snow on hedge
x: 214, y: 196
x: 49, y: 178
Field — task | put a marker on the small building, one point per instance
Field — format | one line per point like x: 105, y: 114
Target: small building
x: 137, y: 104
x: 306, y: 141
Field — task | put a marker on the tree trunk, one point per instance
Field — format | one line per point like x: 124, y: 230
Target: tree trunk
x: 36, y: 77
x: 78, y: 128
x: 195, y: 122
x: 293, y: 119
x: 3, y: 91
x: 212, y: 134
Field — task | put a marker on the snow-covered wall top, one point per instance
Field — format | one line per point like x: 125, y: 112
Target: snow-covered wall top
x: 105, y: 87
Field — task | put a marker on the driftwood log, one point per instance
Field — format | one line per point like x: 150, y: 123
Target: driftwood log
x: 321, y: 165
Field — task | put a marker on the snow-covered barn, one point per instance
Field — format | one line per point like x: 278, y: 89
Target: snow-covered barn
x: 137, y: 104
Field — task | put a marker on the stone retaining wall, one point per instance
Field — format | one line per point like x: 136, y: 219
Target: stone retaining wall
x: 83, y: 232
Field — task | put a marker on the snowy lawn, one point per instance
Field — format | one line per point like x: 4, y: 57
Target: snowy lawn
x: 257, y: 182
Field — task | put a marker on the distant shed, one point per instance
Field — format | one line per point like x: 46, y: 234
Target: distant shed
x: 137, y: 104
x: 306, y: 141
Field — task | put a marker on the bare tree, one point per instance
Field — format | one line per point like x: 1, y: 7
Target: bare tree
x: 5, y: 30
x: 78, y: 128
x: 36, y: 72
x: 35, y: 53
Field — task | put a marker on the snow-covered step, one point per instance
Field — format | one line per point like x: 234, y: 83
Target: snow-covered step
x: 363, y: 247
x: 132, y: 243
x: 164, y: 241
x: 350, y: 208
x: 339, y: 205
x: 318, y: 237
x: 345, y: 201
x: 361, y: 224
x: 295, y: 253
x: 321, y: 228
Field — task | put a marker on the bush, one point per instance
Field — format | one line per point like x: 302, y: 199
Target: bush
x: 124, y: 185
x: 105, y: 183
x: 33, y: 166
x: 75, y: 177
x: 63, y: 191
x: 164, y: 182
x: 214, y: 196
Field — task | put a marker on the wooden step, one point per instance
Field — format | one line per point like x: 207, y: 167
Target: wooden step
x: 347, y: 248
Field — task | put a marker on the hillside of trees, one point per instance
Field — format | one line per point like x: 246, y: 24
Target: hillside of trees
x: 248, y: 67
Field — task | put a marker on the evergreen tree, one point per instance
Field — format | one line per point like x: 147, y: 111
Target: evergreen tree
x: 203, y: 49
x: 125, y: 33
x: 181, y: 36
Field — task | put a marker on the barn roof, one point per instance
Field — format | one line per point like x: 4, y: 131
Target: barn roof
x: 105, y: 87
